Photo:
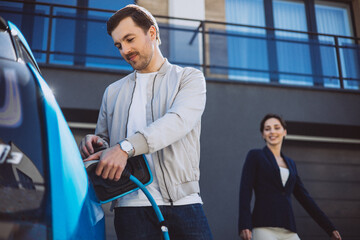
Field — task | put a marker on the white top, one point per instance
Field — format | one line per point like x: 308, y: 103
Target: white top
x: 284, y: 172
x: 137, y: 121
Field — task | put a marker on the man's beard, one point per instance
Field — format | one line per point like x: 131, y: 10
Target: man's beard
x: 141, y: 63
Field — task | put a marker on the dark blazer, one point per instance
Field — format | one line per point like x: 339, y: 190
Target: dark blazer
x: 273, y: 207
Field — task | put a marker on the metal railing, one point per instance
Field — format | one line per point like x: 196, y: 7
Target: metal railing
x: 200, y: 36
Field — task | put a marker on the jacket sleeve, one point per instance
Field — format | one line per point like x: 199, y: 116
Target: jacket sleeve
x: 246, y: 187
x: 101, y: 125
x: 308, y: 203
x: 184, y: 114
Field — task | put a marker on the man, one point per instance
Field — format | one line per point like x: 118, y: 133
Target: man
x: 156, y: 110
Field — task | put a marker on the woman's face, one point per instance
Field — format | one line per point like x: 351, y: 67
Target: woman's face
x: 274, y: 132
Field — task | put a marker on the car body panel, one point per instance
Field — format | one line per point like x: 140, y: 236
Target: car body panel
x: 46, y: 193
x: 68, y: 175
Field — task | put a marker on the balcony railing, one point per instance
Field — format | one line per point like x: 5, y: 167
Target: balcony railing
x: 75, y: 36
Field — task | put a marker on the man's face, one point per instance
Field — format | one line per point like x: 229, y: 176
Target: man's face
x: 135, y: 46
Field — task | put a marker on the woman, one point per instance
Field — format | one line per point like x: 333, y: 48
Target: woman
x: 274, y: 178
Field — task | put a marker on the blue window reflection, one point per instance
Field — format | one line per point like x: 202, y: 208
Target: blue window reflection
x: 101, y: 51
x: 292, y: 57
x: 247, y: 52
x: 293, y: 49
x: 76, y: 36
x: 334, y: 18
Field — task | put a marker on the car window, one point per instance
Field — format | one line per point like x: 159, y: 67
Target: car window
x: 6, y: 47
x: 23, y: 175
x: 21, y: 184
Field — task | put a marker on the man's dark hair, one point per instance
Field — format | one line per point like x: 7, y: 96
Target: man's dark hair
x: 272, y: 115
x: 141, y: 17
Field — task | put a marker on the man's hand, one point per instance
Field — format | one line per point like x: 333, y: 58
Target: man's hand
x: 246, y: 234
x: 88, y: 143
x: 112, y: 162
x: 335, y: 235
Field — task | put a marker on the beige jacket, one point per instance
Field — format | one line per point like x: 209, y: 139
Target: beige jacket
x: 176, y: 102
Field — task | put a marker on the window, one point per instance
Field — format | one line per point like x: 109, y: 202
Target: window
x: 334, y: 18
x: 20, y: 179
x: 23, y: 171
x: 293, y: 57
x: 78, y: 36
x: 292, y: 49
x: 246, y: 44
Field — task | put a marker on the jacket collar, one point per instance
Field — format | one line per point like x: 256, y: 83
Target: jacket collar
x: 163, y: 69
x: 270, y: 156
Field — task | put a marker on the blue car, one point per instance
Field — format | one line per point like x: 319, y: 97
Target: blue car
x: 45, y: 192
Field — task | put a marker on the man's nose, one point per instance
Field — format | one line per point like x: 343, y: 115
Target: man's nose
x: 126, y: 49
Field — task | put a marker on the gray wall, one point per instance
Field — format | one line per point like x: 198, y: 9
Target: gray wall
x: 231, y: 128
x: 330, y: 171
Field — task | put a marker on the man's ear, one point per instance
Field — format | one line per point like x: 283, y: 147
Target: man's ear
x: 152, y: 32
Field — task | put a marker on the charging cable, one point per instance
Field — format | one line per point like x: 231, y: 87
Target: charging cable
x: 160, y: 217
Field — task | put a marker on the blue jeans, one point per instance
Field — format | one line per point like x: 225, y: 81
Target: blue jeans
x: 187, y: 222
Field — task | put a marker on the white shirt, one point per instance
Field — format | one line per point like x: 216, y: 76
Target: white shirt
x: 284, y: 172
x: 137, y: 121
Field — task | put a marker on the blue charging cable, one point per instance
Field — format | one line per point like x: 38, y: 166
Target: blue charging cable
x: 160, y: 217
